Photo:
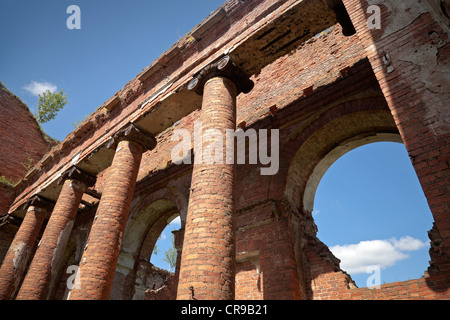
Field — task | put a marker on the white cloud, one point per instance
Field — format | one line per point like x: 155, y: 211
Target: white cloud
x: 37, y: 88
x: 408, y: 243
x: 355, y: 258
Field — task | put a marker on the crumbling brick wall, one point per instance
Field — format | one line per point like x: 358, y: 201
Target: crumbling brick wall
x: 410, y: 58
x: 278, y: 253
x: 22, y: 143
x: 324, y: 94
x: 161, y: 284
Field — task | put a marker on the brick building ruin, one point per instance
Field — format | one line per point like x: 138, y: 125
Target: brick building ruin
x: 312, y: 69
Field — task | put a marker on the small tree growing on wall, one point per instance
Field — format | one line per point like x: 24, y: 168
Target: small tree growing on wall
x: 49, y: 104
x: 170, y: 255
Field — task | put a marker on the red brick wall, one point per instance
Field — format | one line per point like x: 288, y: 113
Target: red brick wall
x: 264, y: 233
x: 249, y: 281
x: 21, y: 143
x: 6, y: 196
x: 278, y: 253
x: 334, y: 286
x: 261, y: 229
x: 268, y: 230
x: 20, y: 137
x: 274, y: 268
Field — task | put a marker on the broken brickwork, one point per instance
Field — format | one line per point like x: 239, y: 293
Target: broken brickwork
x: 320, y: 76
x: 22, y: 145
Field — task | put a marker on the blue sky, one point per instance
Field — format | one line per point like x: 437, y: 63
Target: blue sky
x: 164, y: 243
x: 369, y: 201
x: 116, y: 41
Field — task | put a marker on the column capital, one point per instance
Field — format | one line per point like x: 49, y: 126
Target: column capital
x: 221, y: 68
x: 77, y: 174
x: 132, y: 133
x: 40, y: 202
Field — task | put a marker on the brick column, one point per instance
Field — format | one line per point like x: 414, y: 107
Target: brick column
x: 410, y: 57
x: 178, y: 244
x: 207, y: 268
x: 99, y: 260
x: 21, y: 249
x: 44, y: 266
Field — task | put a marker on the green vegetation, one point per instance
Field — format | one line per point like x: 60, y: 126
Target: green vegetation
x: 77, y: 123
x: 170, y: 255
x: 47, y: 138
x: 29, y: 164
x: 49, y: 104
x: 7, y: 181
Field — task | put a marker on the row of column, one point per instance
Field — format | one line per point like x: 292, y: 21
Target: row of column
x: 105, y: 235
x: 207, y: 262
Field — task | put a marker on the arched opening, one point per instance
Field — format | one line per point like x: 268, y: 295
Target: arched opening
x: 164, y: 255
x: 156, y: 279
x: 353, y: 125
x: 134, y: 270
x: 371, y: 212
x: 324, y: 164
x: 326, y: 143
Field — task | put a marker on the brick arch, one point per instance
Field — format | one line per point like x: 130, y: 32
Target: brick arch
x: 327, y: 161
x: 305, y: 157
x: 356, y: 121
x: 330, y: 142
x: 142, y: 260
x: 149, y: 216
